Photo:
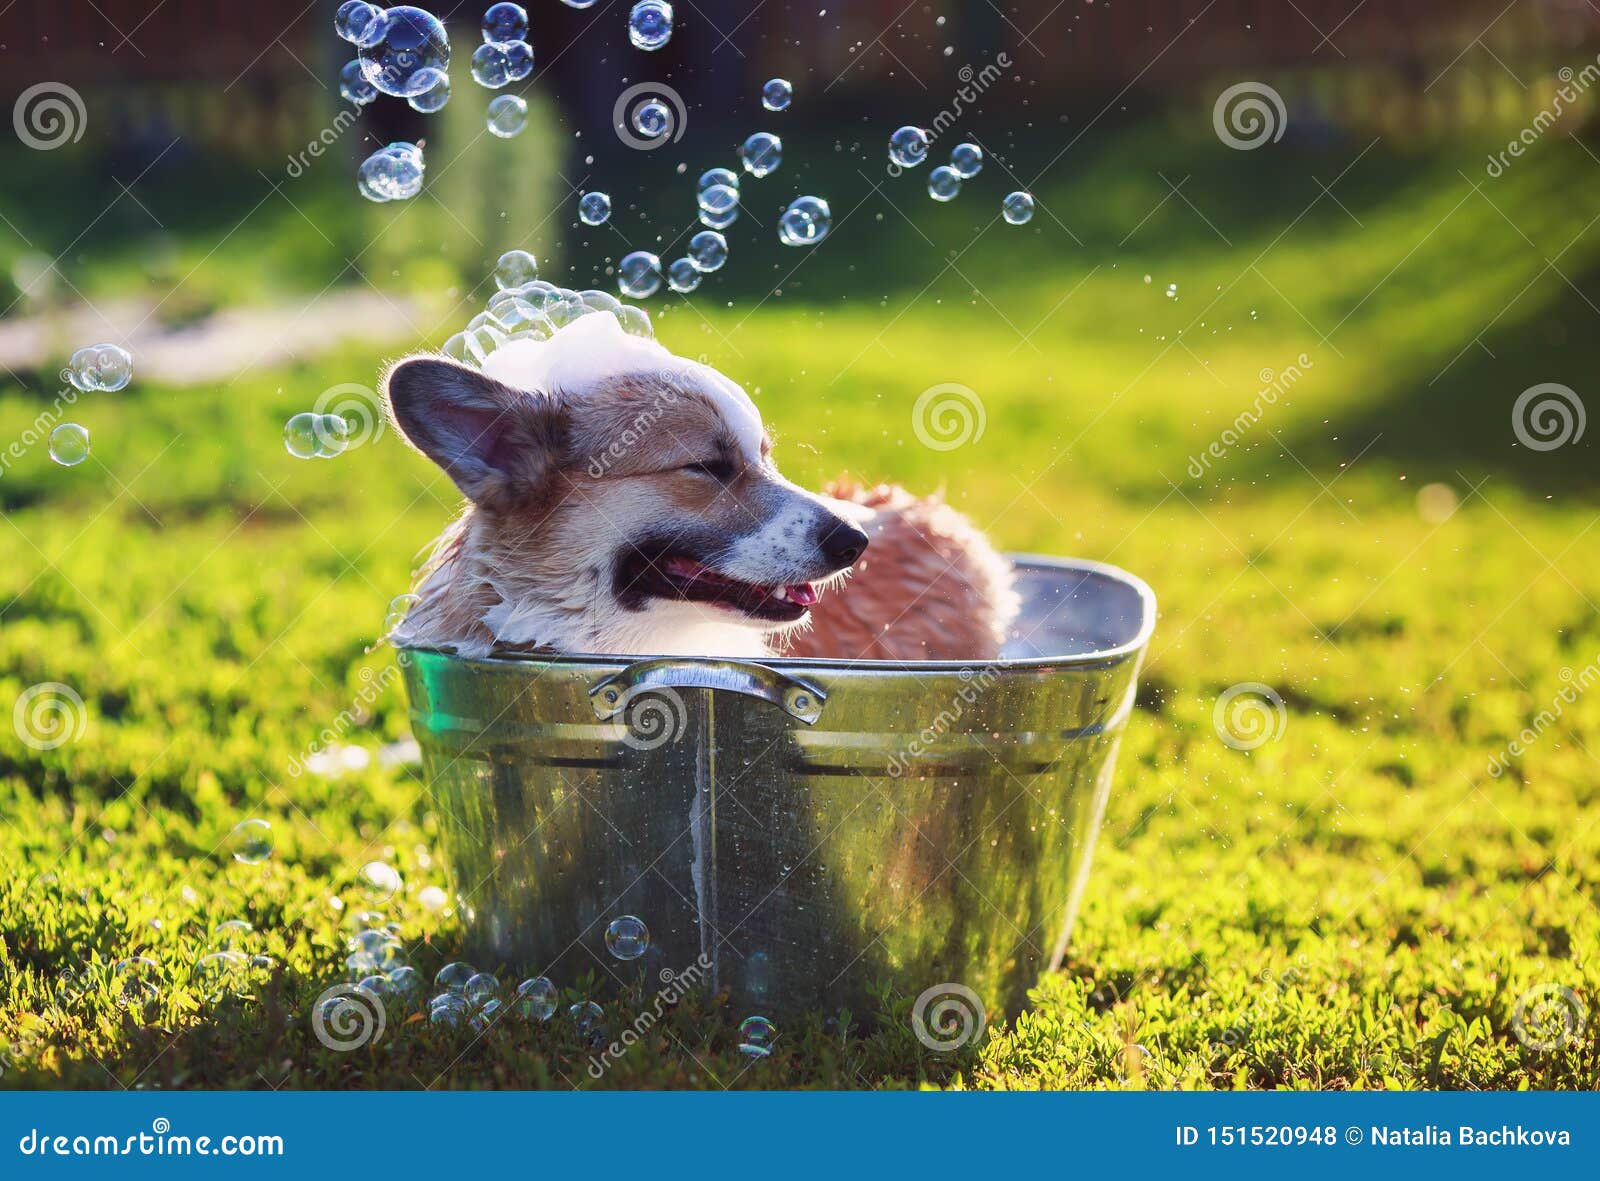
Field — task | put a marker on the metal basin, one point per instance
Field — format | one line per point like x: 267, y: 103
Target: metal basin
x: 803, y: 834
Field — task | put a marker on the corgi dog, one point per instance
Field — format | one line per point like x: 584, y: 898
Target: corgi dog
x: 624, y: 500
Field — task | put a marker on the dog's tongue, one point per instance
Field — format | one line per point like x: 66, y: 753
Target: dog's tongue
x: 802, y: 593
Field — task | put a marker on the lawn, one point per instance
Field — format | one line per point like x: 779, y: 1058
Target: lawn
x: 1358, y: 903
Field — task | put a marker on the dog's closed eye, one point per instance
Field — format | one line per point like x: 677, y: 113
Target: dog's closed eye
x: 717, y: 469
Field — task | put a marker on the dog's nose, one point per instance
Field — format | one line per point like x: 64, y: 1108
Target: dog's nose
x: 842, y: 543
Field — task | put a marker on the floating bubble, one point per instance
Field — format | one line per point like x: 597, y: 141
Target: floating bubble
x: 944, y: 183
x: 519, y: 59
x: 481, y: 988
x: 250, y: 842
x: 805, y: 222
x: 536, y: 999
x: 761, y: 154
x: 432, y: 99
x: 332, y: 434
x: 399, y: 607
x: 380, y: 881
x: 359, y: 23
x: 433, y: 899
x: 505, y: 22
x: 486, y: 1014
x: 230, y: 934
x: 652, y: 118
x: 777, y: 94
x: 392, y: 173
x: 756, y: 1035
x: 448, y: 1009
x: 405, y: 981
x: 683, y: 276
x: 222, y: 972
x: 514, y: 268
x: 507, y: 116
x: 719, y: 198
x: 69, y: 444
x: 713, y: 177
x: 627, y: 937
x: 600, y: 301
x: 635, y: 321
x: 908, y: 147
x: 587, y: 1014
x: 490, y: 66
x: 300, y: 435
x: 353, y: 84
x: 580, y: 4
x: 719, y: 220
x: 708, y: 250
x: 453, y: 977
x: 594, y: 209
x: 136, y: 983
x: 967, y: 160
x: 639, y: 274
x: 106, y: 367
x: 1017, y: 208
x: 410, y: 55
x: 650, y: 24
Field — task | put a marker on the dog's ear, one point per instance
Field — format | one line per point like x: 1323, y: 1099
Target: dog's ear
x: 497, y: 443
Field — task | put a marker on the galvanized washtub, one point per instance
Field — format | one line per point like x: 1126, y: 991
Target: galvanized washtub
x: 801, y: 833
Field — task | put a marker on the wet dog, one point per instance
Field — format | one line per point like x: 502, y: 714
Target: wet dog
x: 625, y: 500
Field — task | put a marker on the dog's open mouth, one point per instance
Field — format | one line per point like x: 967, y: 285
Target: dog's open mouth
x: 672, y: 576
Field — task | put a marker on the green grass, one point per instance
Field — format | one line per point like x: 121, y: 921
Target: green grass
x: 1356, y: 904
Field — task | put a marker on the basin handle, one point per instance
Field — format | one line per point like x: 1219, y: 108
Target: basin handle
x: 795, y: 697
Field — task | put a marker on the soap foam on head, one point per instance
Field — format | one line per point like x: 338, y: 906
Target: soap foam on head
x: 594, y: 350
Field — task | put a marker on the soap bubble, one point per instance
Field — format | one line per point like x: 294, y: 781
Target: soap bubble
x: 135, y: 979
x: 944, y: 183
x: 332, y: 434
x: 486, y: 1014
x: 580, y: 4
x: 652, y: 118
x: 756, y: 1035
x: 392, y: 173
x: 380, y: 881
x: 221, y: 972
x: 650, y: 24
x: 627, y: 937
x: 481, y: 988
x: 250, y: 842
x: 683, y: 276
x: 967, y: 160
x: 587, y: 1014
x: 230, y: 934
x: 405, y: 981
x: 536, y: 999
x: 639, y: 274
x: 448, y: 1009
x: 719, y: 220
x: 806, y: 222
x: 433, y: 899
x: 353, y: 84
x: 505, y: 22
x: 432, y: 99
x: 359, y: 23
x: 713, y: 177
x: 300, y: 436
x: 106, y: 367
x: 594, y: 209
x: 515, y: 268
x: 1017, y: 208
x: 777, y: 94
x: 69, y: 444
x: 908, y: 147
x: 507, y: 116
x: 399, y: 607
x: 708, y: 250
x: 635, y: 321
x: 600, y: 301
x: 519, y: 59
x: 719, y: 198
x: 411, y: 54
x: 490, y: 66
x: 453, y: 977
x: 761, y: 153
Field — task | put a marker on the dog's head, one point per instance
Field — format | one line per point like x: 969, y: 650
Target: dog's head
x: 620, y: 492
